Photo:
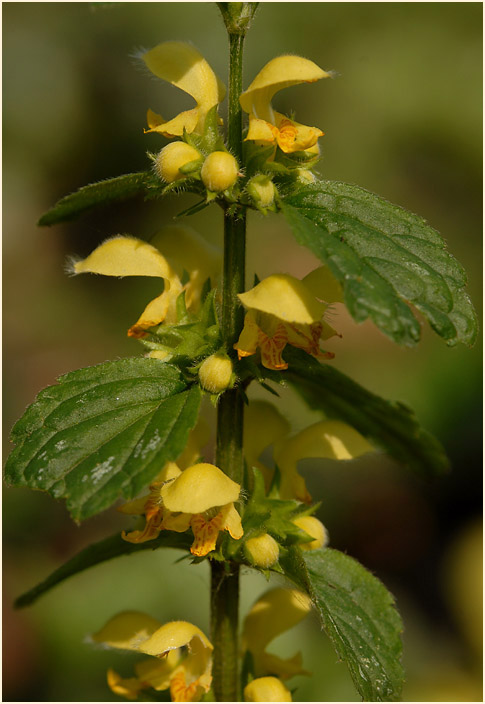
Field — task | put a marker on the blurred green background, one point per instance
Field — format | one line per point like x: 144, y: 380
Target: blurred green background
x: 403, y: 119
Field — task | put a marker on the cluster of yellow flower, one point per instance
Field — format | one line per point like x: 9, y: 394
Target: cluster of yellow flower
x: 191, y: 494
x: 182, y: 655
x: 281, y: 309
x: 181, y: 65
x: 195, y: 495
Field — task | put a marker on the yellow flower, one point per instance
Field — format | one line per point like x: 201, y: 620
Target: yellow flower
x: 219, y: 171
x: 187, y: 676
x: 276, y: 611
x: 181, y: 65
x: 282, y: 310
x: 201, y: 498
x: 315, y: 530
x: 173, y: 250
x: 330, y: 439
x: 267, y: 125
x: 215, y: 373
x: 172, y: 158
x: 262, y: 551
x: 266, y: 689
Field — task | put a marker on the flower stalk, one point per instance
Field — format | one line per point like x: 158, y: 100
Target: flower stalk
x: 229, y: 457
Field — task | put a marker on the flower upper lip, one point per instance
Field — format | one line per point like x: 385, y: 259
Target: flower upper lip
x: 174, y: 249
x: 183, y: 66
x: 281, y: 72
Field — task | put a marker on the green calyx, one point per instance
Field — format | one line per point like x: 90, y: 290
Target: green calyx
x: 193, y: 336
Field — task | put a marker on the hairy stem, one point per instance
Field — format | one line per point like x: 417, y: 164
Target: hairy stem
x: 229, y: 456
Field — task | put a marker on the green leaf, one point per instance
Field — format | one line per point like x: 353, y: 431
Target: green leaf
x: 359, y: 616
x: 390, y: 425
x: 386, y: 259
x: 97, y: 553
x: 103, y: 193
x: 103, y: 431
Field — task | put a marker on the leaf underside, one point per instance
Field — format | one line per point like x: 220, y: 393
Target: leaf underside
x: 359, y: 616
x: 104, y: 192
x: 102, y: 432
x: 386, y: 258
x: 391, y: 426
x: 99, y: 552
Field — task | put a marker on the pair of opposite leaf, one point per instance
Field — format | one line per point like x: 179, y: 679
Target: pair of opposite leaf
x: 182, y: 655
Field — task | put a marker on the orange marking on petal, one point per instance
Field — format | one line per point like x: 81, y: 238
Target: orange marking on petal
x: 242, y: 353
x: 179, y: 691
x: 137, y: 332
x: 272, y: 347
x: 153, y: 517
x: 205, y: 533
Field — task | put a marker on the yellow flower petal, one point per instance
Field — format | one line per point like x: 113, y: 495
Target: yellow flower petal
x: 324, y: 286
x: 149, y: 532
x: 284, y: 668
x: 128, y: 688
x: 157, y: 311
x: 205, y: 533
x: 260, y: 130
x: 249, y: 337
x: 178, y: 522
x: 135, y: 507
x: 279, y: 73
x: 275, y: 612
x: 272, y: 348
x: 180, y: 691
x: 172, y: 635
x: 158, y: 673
x: 292, y: 136
x: 199, y: 488
x: 193, y: 676
x: 232, y: 521
x: 330, y: 439
x: 127, y: 630
x: 170, y: 470
x: 188, y: 251
x: 285, y: 297
x: 184, y: 67
x: 126, y: 256
x: 266, y: 689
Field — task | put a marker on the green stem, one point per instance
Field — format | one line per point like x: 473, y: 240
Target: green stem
x: 229, y: 454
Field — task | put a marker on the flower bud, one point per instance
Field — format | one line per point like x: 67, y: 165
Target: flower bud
x: 215, y: 373
x: 262, y: 190
x: 219, y: 171
x: 172, y: 158
x: 262, y: 551
x: 315, y: 529
x: 305, y: 176
x: 266, y: 689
